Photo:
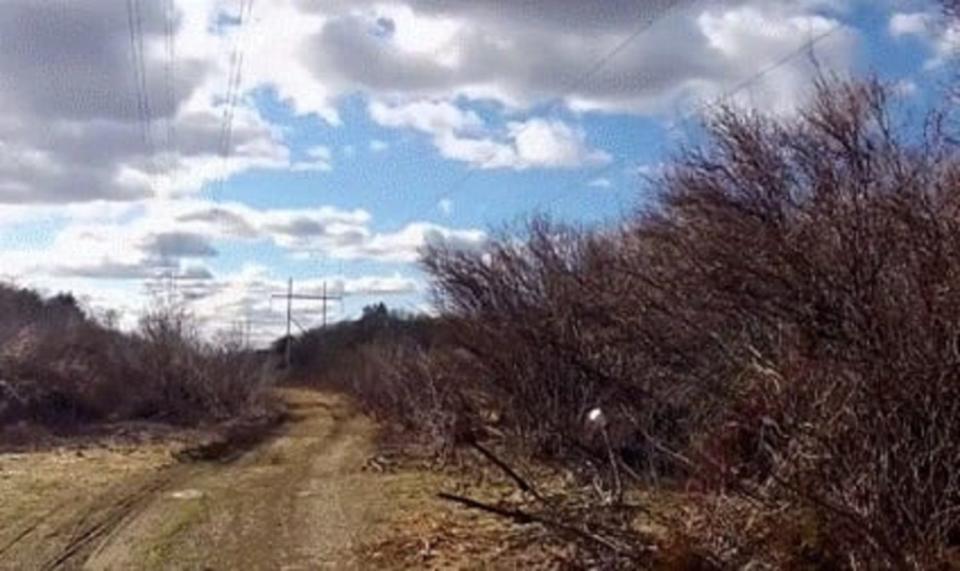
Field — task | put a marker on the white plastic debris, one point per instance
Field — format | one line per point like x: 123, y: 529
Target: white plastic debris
x: 596, y: 417
x: 186, y: 495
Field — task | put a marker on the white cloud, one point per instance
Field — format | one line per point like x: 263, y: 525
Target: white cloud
x: 318, y: 158
x: 275, y: 57
x: 909, y: 24
x: 543, y: 143
x: 404, y: 245
x: 646, y: 171
x: 519, y: 54
x: 600, y: 183
x: 71, y: 121
x: 177, y: 236
x: 462, y: 135
x: 69, y: 79
x: 942, y: 38
x: 466, y: 74
x: 70, y: 104
x: 13, y: 215
x: 378, y: 146
x: 374, y: 285
x: 482, y: 153
x: 247, y: 296
x: 110, y: 260
x: 427, y: 116
x: 446, y: 206
x: 113, y: 253
x: 906, y: 88
x: 326, y: 231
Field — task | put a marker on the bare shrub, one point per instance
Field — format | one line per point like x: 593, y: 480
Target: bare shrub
x: 399, y: 368
x: 190, y: 377
x: 775, y: 333
x: 781, y: 324
x: 554, y: 325
x: 400, y: 382
x: 60, y: 368
x: 56, y: 366
x: 829, y: 244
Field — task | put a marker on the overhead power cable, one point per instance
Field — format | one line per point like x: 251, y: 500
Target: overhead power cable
x: 724, y: 97
x: 234, y: 83
x: 645, y: 21
x: 144, y: 114
x: 170, y: 70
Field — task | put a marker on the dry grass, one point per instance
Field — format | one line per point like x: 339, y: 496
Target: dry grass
x: 43, y: 494
x: 427, y: 533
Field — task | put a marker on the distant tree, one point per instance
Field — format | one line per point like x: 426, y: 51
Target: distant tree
x: 64, y: 299
x: 320, y: 349
x: 375, y: 311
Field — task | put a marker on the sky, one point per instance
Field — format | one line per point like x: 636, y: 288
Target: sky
x: 212, y: 149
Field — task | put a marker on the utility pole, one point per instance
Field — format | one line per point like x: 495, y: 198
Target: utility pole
x: 290, y: 296
x: 289, y: 343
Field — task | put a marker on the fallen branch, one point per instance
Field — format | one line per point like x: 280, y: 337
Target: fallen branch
x: 527, y: 518
x: 506, y: 469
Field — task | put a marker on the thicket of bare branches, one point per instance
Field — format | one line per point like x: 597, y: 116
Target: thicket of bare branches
x: 60, y: 368
x: 187, y: 375
x: 780, y: 327
x: 822, y: 256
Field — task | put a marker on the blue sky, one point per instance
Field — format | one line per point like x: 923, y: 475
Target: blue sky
x: 363, y: 129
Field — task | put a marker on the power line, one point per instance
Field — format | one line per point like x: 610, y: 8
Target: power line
x: 234, y: 81
x: 735, y: 90
x: 807, y: 45
x: 170, y: 83
x: 170, y: 70
x: 644, y: 24
x: 144, y: 114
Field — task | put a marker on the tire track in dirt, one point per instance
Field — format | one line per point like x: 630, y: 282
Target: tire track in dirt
x: 300, y: 500
x: 99, y: 522
x: 68, y: 529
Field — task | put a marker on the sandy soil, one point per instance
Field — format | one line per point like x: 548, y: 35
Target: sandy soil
x: 303, y: 499
x: 300, y: 501
x: 315, y: 494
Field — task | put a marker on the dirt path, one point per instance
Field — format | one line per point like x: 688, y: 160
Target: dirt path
x: 300, y: 500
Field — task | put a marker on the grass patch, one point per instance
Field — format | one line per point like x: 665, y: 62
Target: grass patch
x: 189, y: 514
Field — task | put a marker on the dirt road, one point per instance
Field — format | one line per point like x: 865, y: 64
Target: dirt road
x: 300, y: 500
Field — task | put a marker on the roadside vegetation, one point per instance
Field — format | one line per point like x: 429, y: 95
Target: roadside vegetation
x: 61, y: 369
x: 760, y: 362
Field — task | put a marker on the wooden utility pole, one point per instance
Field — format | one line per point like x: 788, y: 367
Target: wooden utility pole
x: 324, y: 304
x: 289, y: 343
x: 290, y: 296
